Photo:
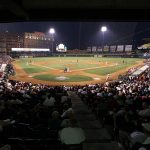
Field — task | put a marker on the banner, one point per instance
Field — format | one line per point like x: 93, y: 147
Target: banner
x: 106, y: 48
x: 113, y: 48
x: 88, y: 49
x: 93, y: 48
x: 120, y: 48
x: 128, y: 48
x: 99, y: 49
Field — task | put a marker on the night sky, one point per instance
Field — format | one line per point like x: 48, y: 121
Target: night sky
x: 83, y: 34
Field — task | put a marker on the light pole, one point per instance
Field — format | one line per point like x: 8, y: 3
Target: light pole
x: 103, y: 30
x: 52, y: 32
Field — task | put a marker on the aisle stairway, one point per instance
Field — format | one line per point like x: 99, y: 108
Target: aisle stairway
x: 97, y: 137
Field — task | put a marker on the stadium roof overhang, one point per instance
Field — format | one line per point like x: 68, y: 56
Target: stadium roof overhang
x: 68, y: 10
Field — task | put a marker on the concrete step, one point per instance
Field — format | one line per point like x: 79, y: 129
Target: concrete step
x: 87, y: 121
x: 102, y: 146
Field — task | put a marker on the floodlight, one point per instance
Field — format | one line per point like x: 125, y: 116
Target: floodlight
x: 103, y: 28
x: 52, y: 31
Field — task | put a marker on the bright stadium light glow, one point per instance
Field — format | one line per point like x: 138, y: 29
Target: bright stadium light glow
x: 52, y: 31
x: 103, y: 28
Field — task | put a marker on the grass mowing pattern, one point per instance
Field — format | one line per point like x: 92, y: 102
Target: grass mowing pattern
x: 109, y: 70
x: 71, y: 62
x: 31, y: 68
x: 73, y: 78
x: 72, y: 66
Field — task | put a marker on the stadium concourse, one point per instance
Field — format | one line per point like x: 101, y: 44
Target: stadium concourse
x: 112, y: 115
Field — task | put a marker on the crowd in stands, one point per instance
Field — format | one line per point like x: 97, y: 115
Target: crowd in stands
x: 124, y: 104
x: 29, y: 111
x: 4, y: 58
x: 147, y: 61
x: 6, y: 68
x: 35, y: 116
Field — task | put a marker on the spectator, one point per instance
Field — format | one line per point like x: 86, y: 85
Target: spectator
x: 55, y: 121
x: 49, y: 101
x: 72, y: 134
x: 146, y: 110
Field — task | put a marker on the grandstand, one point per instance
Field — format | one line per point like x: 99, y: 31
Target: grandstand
x: 144, y: 46
x: 36, y: 116
x: 5, y: 61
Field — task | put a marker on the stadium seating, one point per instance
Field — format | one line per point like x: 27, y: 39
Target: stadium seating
x: 39, y: 110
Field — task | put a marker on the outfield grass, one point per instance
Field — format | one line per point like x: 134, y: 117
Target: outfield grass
x: 71, y: 62
x: 109, y: 70
x: 71, y: 78
x: 28, y: 68
x: 83, y: 63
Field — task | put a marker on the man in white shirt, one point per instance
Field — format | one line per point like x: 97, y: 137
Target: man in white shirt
x: 72, y: 134
x: 137, y: 137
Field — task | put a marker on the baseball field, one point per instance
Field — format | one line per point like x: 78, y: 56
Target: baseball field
x: 80, y: 70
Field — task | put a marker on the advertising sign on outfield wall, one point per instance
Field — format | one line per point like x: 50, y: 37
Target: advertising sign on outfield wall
x: 128, y: 48
x: 88, y: 49
x: 106, y: 48
x: 120, y: 48
x: 112, y: 48
x: 93, y: 48
x: 99, y: 49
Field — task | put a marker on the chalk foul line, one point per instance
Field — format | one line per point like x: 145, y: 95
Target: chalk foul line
x: 74, y: 69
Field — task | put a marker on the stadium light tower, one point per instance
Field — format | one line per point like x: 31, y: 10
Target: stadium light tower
x: 52, y: 32
x: 103, y: 30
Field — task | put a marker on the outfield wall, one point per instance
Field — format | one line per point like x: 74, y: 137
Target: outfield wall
x: 49, y: 54
x: 73, y: 55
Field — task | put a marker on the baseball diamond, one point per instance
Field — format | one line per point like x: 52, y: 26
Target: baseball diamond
x: 82, y: 70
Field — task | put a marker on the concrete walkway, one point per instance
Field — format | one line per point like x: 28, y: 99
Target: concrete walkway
x: 97, y: 137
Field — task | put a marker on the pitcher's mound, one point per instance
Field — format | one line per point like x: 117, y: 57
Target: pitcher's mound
x: 62, y: 78
x: 96, y: 78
